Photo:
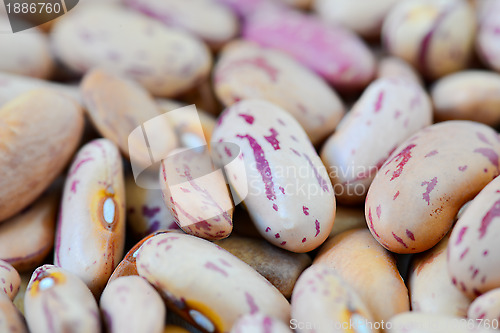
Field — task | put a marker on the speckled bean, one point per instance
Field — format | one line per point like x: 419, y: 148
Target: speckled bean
x: 28, y: 237
x: 25, y: 53
x: 213, y: 23
x: 31, y: 154
x: 362, y: 17
x: 316, y: 45
x: 91, y: 230
x: 369, y: 269
x: 486, y: 307
x: 394, y: 67
x: 57, y: 301
x: 431, y: 289
x: 322, y: 301
x: 426, y: 180
x: 9, y: 280
x: 127, y: 42
x: 10, y: 318
x: 196, y: 194
x: 418, y: 322
x: 488, y: 39
x: 259, y: 323
x: 468, y: 95
x: 130, y: 304
x: 246, y: 71
x: 435, y: 36
x: 280, y: 267
x: 390, y: 110
x: 472, y: 261
x: 229, y: 287
x: 117, y: 106
x: 292, y: 212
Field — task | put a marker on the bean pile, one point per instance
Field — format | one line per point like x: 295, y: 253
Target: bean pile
x: 337, y: 172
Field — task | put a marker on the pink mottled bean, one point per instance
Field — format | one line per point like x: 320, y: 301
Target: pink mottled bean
x: 418, y: 322
x: 259, y: 323
x: 390, y: 109
x: 275, y: 150
x: 217, y: 288
x: 426, y: 180
x: 10, y: 318
x: 9, y: 280
x: 91, y: 230
x: 472, y: 263
x: 333, y: 52
x: 247, y: 71
x: 488, y: 38
x: 486, y: 307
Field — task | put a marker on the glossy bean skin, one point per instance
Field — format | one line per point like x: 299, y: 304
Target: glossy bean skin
x: 397, y: 68
x: 246, y: 71
x: 25, y: 53
x: 195, y: 296
x: 487, y: 41
x: 434, y: 36
x: 472, y: 262
x: 57, y: 301
x: 280, y: 267
x: 418, y: 322
x: 196, y: 193
x: 390, y: 109
x: 468, y: 95
x: 28, y: 237
x: 290, y: 31
x: 213, y: 23
x: 486, y: 306
x: 76, y: 39
x: 364, y: 18
x: 130, y: 304
x: 431, y: 289
x: 9, y: 280
x: 35, y: 125
x: 91, y: 230
x: 369, y: 269
x: 275, y: 148
x: 10, y: 318
x: 117, y: 106
x: 433, y: 173
x: 323, y: 300
x: 259, y: 323
x: 146, y: 211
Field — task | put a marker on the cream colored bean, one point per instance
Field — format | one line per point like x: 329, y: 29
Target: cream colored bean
x: 431, y: 289
x: 425, y: 182
x: 280, y: 267
x: 229, y: 287
x: 130, y: 304
x: 488, y: 39
x: 435, y: 36
x: 127, y: 42
x: 246, y: 71
x: 259, y: 323
x: 10, y: 318
x: 394, y: 67
x: 117, y: 106
x: 19, y: 299
x: 206, y: 19
x: 31, y: 154
x: 347, y: 218
x: 290, y: 211
x: 28, y: 237
x: 472, y: 262
x: 91, y: 231
x: 390, y: 110
x: 25, y: 52
x: 362, y: 17
x: 9, y: 280
x: 418, y: 322
x: 468, y: 95
x: 323, y: 302
x: 369, y: 269
x: 486, y: 307
x: 57, y: 301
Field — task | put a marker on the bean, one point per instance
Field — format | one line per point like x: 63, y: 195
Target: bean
x: 31, y: 148
x: 347, y: 218
x: 214, y: 273
x: 9, y: 280
x: 369, y: 269
x: 58, y: 301
x: 394, y: 67
x: 259, y: 323
x: 290, y: 211
x: 130, y: 304
x: 486, y: 307
x: 417, y: 322
x: 487, y: 41
x: 10, y: 318
x: 90, y: 235
x: 426, y: 180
